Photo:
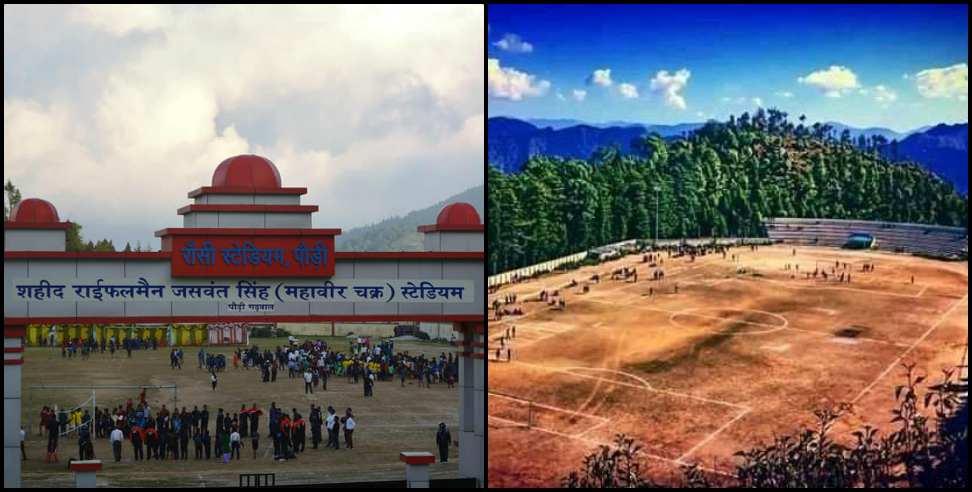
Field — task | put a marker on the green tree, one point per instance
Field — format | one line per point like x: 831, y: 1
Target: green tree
x: 13, y: 198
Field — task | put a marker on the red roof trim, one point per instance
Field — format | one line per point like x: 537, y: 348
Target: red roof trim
x: 13, y: 362
x: 248, y: 208
x: 36, y: 225
x: 243, y: 231
x: 409, y: 255
x: 452, y: 228
x: 165, y: 255
x: 88, y: 255
x: 441, y: 318
x: 244, y: 190
x: 12, y: 350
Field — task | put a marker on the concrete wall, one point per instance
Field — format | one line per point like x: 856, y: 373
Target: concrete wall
x: 248, y: 200
x: 454, y: 241
x: 157, y: 272
x: 247, y: 219
x: 34, y: 239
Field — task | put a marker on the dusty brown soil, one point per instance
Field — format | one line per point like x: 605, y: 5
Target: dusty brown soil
x: 729, y: 361
x: 396, y: 419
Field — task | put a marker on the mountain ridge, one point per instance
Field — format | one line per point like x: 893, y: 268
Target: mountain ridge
x: 398, y: 233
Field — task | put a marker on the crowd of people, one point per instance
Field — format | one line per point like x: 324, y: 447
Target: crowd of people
x: 164, y: 434
x: 84, y: 347
x: 314, y: 362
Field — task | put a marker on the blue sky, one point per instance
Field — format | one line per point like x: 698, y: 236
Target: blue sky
x: 894, y: 66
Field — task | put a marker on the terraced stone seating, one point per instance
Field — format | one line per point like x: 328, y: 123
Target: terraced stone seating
x: 949, y: 242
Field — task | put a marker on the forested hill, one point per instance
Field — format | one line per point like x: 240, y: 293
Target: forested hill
x: 400, y: 233
x: 720, y: 181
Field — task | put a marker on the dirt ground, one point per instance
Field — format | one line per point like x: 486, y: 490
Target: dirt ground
x: 744, y: 351
x: 395, y: 419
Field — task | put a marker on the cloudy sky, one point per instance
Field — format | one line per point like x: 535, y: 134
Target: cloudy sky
x: 113, y: 113
x: 897, y: 66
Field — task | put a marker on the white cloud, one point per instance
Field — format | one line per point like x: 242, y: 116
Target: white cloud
x: 560, y: 96
x: 947, y: 83
x: 509, y: 83
x: 514, y: 44
x: 116, y: 138
x: 120, y: 20
x: 833, y: 81
x: 884, y: 95
x: 628, y: 91
x: 758, y: 101
x: 579, y: 95
x: 669, y: 85
x: 784, y: 94
x: 601, y: 77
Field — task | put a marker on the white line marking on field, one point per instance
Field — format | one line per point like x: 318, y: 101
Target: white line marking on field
x: 602, y: 424
x: 609, y: 446
x: 712, y: 435
x: 548, y: 407
x: 851, y: 289
x: 909, y: 349
x: 645, y: 385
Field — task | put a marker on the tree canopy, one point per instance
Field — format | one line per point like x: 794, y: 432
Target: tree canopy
x: 722, y: 180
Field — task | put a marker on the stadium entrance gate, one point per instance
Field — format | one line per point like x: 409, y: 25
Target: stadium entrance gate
x: 247, y: 252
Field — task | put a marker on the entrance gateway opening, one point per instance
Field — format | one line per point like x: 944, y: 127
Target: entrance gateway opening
x: 246, y: 252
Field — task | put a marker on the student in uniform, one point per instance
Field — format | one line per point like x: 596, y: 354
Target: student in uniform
x: 197, y: 440
x: 315, y: 421
x: 236, y: 444
x: 206, y: 442
x: 442, y: 440
x: 255, y: 441
x: 116, y: 439
x: 349, y: 426
x: 137, y: 439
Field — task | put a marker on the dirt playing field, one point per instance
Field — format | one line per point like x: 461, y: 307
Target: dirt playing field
x: 395, y: 419
x: 744, y: 351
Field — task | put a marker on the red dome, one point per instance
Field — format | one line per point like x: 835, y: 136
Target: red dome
x: 458, y: 214
x: 34, y: 211
x: 250, y: 171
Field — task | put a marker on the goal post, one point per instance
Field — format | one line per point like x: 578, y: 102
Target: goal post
x: 92, y: 401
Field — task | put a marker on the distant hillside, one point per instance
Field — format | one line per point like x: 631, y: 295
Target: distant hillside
x: 512, y: 142
x: 399, y: 233
x: 867, y: 132
x: 723, y: 180
x: 943, y: 150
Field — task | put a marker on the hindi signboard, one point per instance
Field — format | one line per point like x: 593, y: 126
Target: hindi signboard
x: 252, y: 256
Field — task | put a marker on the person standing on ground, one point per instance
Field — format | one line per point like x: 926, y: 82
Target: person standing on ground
x: 315, y: 422
x: 137, y: 443
x: 206, y: 442
x: 212, y: 377
x: 256, y: 441
x: 442, y: 440
x: 308, y: 379
x: 235, y: 440
x: 116, y: 439
x: 349, y: 425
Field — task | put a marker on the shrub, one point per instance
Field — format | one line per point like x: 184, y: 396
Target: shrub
x: 916, y: 453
